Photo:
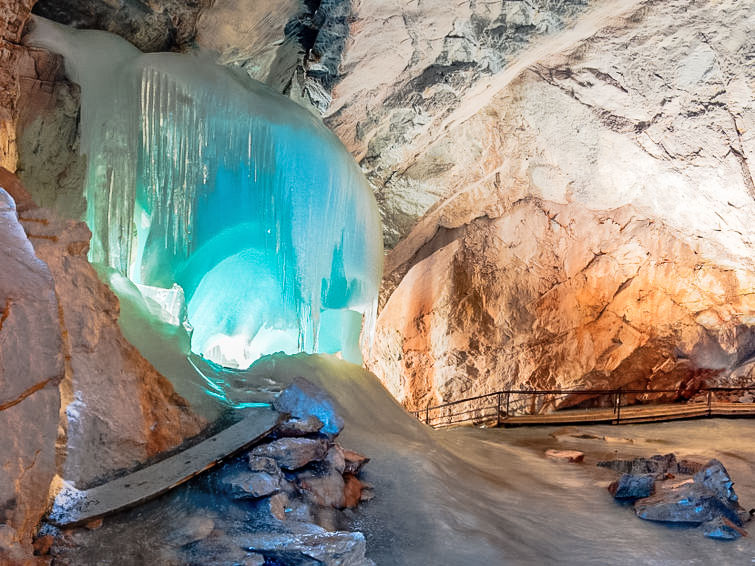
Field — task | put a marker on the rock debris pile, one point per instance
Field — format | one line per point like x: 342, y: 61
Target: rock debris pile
x: 289, y: 501
x: 681, y: 492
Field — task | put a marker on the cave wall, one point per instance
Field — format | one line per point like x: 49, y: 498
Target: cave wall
x: 566, y: 186
x: 590, y: 208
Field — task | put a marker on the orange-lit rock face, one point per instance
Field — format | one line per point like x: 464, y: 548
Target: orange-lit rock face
x: 589, y: 210
x: 550, y: 295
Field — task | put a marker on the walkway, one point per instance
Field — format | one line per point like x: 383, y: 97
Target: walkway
x: 614, y: 406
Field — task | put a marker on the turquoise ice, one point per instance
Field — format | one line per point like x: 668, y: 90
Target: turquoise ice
x: 233, y: 209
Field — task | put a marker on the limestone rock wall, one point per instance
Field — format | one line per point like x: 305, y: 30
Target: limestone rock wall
x: 590, y: 210
x: 117, y: 410
x: 13, y: 16
x: 31, y: 368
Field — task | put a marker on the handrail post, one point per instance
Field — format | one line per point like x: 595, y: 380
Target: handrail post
x: 618, y: 406
x: 710, y: 410
x: 498, y: 410
x: 427, y: 414
x: 508, y: 399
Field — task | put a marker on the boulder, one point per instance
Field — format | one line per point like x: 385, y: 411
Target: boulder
x: 336, y: 458
x: 302, y: 399
x: 690, y: 503
x: 630, y: 486
x: 715, y: 477
x: 322, y: 548
x: 659, y: 465
x: 352, y: 491
x: 294, y: 427
x: 251, y: 485
x: 324, y: 488
x: 293, y: 453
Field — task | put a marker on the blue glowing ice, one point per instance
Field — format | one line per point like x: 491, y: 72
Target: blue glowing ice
x: 209, y: 180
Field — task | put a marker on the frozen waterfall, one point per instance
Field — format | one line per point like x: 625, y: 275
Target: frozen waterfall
x: 227, y: 204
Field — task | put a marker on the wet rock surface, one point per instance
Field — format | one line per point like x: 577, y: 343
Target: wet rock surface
x: 631, y: 486
x: 686, y: 493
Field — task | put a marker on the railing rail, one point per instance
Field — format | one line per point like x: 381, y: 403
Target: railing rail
x: 499, y: 406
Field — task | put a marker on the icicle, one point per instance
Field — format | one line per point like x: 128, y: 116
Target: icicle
x: 212, y: 181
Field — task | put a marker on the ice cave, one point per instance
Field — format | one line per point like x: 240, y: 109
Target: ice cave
x: 342, y: 283
x: 232, y: 209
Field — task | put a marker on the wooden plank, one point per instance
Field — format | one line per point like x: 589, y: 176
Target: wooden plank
x: 73, y: 507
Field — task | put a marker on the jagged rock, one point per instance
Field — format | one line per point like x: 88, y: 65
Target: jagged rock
x: 263, y: 464
x: 299, y: 427
x: 293, y: 453
x: 325, y: 488
x: 277, y: 505
x: 327, y: 548
x: 155, y: 25
x: 658, y: 465
x: 574, y: 456
x: 354, y: 462
x: 49, y: 163
x: 632, y: 486
x: 13, y: 17
x: 31, y: 367
x: 251, y: 485
x: 722, y: 529
x: 715, y: 477
x: 301, y: 399
x: 690, y: 503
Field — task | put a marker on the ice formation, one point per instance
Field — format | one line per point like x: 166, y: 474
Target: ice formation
x: 207, y: 185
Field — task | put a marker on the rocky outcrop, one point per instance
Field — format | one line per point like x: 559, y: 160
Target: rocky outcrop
x: 49, y: 163
x: 588, y: 205
x: 70, y: 385
x: 115, y: 404
x: 13, y: 16
x: 31, y: 367
x: 156, y: 25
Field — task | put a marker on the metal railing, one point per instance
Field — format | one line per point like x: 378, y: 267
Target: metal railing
x: 494, y: 409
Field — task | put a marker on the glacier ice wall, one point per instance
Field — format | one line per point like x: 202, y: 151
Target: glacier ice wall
x: 208, y: 180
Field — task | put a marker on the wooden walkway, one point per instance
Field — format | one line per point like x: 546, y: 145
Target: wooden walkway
x: 635, y: 414
x: 73, y: 507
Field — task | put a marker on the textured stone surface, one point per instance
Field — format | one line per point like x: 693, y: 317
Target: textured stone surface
x: 303, y: 399
x: 591, y: 205
x: 13, y: 16
x: 116, y: 405
x: 631, y: 486
x: 31, y: 366
x: 388, y: 107
x: 48, y: 134
x: 295, y: 46
x: 327, y: 548
x: 151, y: 25
x: 292, y: 453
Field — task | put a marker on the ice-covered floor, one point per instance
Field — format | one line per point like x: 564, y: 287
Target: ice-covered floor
x: 471, y: 496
